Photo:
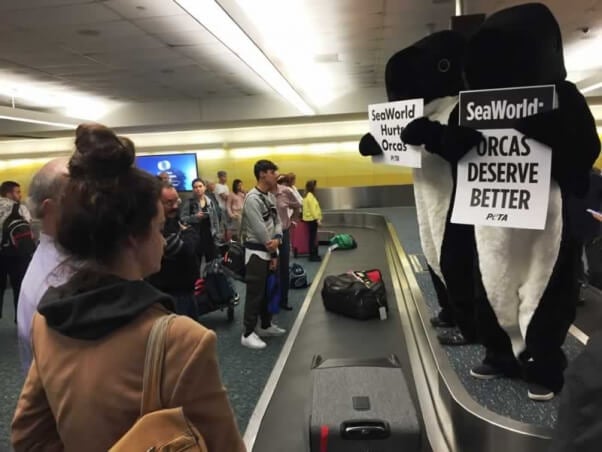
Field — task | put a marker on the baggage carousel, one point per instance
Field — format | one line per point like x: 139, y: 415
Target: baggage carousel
x: 453, y: 415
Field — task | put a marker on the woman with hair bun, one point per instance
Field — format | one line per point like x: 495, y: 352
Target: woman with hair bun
x: 89, y: 335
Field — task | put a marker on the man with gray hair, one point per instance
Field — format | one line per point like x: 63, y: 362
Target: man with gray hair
x: 46, y: 267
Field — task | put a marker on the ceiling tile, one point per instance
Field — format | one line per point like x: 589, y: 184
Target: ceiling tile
x: 11, y: 5
x: 138, y: 44
x: 151, y: 49
x: 89, y: 13
x: 158, y: 25
x: 136, y: 9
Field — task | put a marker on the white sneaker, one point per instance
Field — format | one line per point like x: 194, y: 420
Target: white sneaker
x: 252, y: 341
x: 272, y: 330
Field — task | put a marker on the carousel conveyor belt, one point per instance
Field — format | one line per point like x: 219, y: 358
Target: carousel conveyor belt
x: 450, y: 419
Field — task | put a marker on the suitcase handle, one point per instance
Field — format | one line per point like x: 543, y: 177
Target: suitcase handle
x: 365, y: 429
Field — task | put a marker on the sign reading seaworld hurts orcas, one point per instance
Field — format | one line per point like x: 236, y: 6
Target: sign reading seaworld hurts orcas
x: 505, y: 180
x: 387, y: 121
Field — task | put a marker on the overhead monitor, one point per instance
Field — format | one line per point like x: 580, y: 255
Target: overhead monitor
x: 181, y: 168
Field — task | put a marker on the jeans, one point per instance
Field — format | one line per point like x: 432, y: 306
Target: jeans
x: 256, y: 303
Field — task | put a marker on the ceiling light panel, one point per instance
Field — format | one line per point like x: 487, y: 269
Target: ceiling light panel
x: 211, y: 15
x: 290, y: 32
x: 42, y: 95
x: 584, y: 54
x: 591, y: 88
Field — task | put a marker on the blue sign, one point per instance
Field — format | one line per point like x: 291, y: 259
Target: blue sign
x: 181, y: 168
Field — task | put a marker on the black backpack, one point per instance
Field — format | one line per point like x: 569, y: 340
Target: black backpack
x: 297, y: 277
x: 234, y: 260
x: 17, y: 236
x: 216, y: 283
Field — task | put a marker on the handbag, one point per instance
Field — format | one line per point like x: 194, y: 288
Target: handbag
x: 159, y: 429
x: 272, y: 288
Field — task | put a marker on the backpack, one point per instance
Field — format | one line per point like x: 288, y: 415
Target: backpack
x: 17, y: 236
x: 234, y: 260
x: 158, y: 429
x: 297, y: 277
x: 343, y: 242
x: 216, y: 284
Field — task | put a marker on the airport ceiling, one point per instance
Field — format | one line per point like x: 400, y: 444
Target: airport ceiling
x: 151, y: 51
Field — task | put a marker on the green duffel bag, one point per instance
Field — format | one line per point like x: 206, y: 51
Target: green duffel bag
x: 343, y: 242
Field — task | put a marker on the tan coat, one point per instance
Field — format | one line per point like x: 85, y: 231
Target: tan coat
x: 84, y: 395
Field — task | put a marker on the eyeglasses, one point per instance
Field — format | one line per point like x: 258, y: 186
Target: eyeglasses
x: 171, y: 202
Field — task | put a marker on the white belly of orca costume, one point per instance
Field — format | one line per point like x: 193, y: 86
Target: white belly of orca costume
x: 516, y: 266
x: 433, y: 185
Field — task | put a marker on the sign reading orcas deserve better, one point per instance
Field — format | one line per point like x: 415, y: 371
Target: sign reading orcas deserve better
x: 505, y: 180
x: 387, y: 121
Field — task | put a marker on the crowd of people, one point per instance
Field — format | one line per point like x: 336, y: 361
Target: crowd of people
x: 117, y: 250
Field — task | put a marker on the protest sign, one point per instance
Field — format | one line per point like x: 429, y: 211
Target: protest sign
x: 387, y: 121
x: 505, y: 180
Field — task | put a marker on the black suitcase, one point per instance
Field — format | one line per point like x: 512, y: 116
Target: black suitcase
x: 362, y: 405
x: 352, y: 296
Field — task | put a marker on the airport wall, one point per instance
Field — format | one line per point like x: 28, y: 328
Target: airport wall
x: 334, y: 164
x: 331, y: 165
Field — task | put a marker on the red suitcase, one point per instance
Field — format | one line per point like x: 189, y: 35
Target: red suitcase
x: 300, y: 239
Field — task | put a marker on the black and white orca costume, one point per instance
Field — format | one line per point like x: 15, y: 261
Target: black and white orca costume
x: 529, y: 277
x: 432, y: 69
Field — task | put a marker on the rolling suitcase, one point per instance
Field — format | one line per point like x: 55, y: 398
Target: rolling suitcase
x: 362, y: 405
x: 300, y: 239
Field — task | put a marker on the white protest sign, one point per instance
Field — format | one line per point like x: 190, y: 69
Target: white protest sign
x: 505, y: 180
x: 387, y: 121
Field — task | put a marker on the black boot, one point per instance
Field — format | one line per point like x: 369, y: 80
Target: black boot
x: 452, y: 337
x: 313, y: 254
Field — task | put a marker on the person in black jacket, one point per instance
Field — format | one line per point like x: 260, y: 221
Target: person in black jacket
x: 579, y: 426
x: 180, y: 266
x: 591, y: 230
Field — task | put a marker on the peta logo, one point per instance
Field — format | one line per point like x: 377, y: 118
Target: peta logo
x: 497, y: 217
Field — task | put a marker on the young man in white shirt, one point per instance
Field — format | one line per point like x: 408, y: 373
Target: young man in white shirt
x: 262, y: 235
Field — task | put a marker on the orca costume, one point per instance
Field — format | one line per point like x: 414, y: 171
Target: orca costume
x: 432, y: 69
x: 529, y: 277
